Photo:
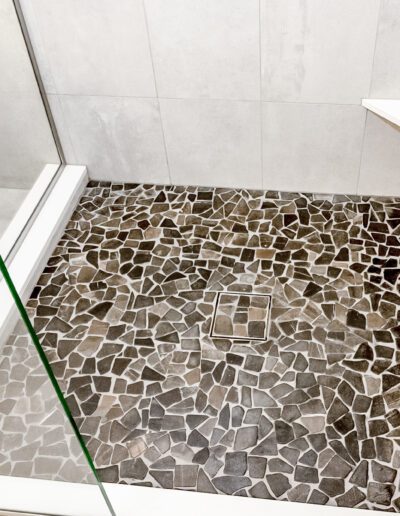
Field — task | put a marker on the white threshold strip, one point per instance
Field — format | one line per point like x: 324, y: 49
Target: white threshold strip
x: 39, y: 241
x: 69, y: 499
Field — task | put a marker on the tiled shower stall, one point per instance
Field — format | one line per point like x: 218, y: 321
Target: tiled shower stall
x: 209, y: 286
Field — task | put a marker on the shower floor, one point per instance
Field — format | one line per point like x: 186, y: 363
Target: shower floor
x: 231, y: 341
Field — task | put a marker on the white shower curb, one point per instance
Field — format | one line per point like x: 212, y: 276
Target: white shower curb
x: 37, y: 245
x: 69, y: 499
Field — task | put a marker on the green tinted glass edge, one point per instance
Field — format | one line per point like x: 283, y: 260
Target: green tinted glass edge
x: 42, y: 355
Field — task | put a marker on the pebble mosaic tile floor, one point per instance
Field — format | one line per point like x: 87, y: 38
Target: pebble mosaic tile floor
x: 231, y: 341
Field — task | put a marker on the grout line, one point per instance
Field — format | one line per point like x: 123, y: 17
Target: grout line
x: 156, y: 88
x: 260, y: 103
x: 319, y: 195
x: 362, y: 152
x: 64, y: 125
x: 352, y: 104
x: 369, y: 95
x: 375, y: 45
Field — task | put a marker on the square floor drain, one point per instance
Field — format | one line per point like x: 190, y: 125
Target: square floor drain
x: 241, y: 316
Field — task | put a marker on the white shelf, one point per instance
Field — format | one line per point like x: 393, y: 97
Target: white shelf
x: 386, y: 108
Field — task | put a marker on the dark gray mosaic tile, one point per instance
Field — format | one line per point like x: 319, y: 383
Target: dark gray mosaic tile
x: 309, y: 413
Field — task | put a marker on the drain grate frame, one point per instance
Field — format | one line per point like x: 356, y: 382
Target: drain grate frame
x: 241, y: 316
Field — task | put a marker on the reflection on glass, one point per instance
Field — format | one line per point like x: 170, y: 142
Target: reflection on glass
x: 26, y: 141
x: 37, y: 439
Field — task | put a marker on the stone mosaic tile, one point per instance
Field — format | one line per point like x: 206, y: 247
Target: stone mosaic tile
x: 311, y: 414
x: 241, y: 316
x: 36, y: 438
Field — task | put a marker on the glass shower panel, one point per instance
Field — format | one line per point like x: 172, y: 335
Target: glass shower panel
x: 42, y: 454
x: 28, y: 154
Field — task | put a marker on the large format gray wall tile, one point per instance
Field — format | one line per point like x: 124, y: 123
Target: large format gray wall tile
x: 205, y: 48
x: 213, y: 142
x: 315, y: 53
x: 380, y: 166
x: 117, y: 137
x: 317, y: 50
x: 312, y: 147
x: 93, y: 47
x: 386, y: 72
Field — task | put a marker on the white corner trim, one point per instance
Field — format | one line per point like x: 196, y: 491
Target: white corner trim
x: 31, y: 257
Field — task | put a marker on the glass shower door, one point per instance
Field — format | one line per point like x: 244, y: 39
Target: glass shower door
x: 29, y: 157
x: 44, y: 465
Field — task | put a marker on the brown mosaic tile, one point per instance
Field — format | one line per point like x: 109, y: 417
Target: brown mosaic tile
x: 309, y: 413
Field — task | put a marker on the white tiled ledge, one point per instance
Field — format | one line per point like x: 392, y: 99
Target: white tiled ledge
x: 386, y: 108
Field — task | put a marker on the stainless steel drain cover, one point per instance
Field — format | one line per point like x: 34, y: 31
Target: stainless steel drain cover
x: 241, y: 316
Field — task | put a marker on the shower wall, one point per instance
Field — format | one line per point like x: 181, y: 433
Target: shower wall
x: 253, y: 93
